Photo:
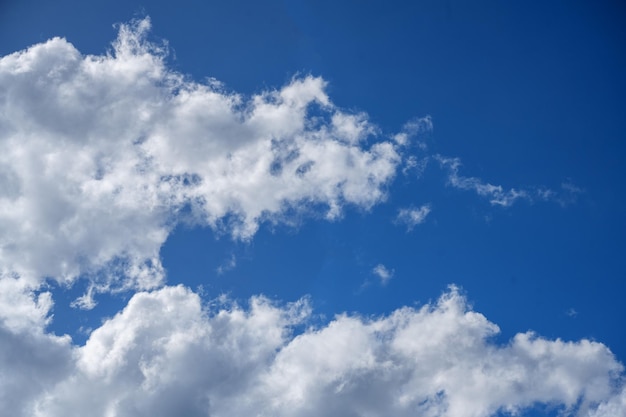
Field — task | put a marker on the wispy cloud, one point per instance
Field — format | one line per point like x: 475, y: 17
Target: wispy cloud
x: 412, y: 130
x: 411, y: 217
x: 568, y: 194
x: 500, y: 196
x: 496, y: 194
x: 227, y: 265
x: 415, y: 164
x: 383, y: 274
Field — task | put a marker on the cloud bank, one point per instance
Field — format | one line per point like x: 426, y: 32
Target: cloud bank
x: 168, y: 354
x: 101, y: 157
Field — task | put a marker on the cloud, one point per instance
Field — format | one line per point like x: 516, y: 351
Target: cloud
x: 411, y: 217
x: 227, y: 265
x: 499, y: 196
x: 383, y: 273
x: 31, y: 360
x: 615, y: 406
x: 412, y: 163
x: 414, y: 128
x: 568, y: 194
x: 495, y: 193
x: 101, y: 157
x: 166, y: 353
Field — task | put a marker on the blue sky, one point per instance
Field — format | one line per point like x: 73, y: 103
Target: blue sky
x: 377, y: 161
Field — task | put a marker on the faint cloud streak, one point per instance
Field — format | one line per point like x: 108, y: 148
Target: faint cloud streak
x: 383, y: 273
x: 411, y: 217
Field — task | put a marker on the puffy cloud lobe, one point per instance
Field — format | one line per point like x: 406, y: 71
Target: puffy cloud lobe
x: 616, y: 406
x: 31, y: 360
x: 30, y: 363
x: 166, y: 354
x: 100, y: 156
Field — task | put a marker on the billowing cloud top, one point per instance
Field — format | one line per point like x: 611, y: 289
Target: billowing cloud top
x: 100, y: 158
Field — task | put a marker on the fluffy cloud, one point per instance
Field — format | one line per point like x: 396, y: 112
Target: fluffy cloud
x: 30, y: 359
x: 100, y: 157
x: 166, y: 353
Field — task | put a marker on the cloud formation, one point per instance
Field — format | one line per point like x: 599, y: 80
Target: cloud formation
x: 101, y: 156
x: 166, y: 353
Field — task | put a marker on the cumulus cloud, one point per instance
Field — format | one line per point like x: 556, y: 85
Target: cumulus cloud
x: 411, y: 217
x: 166, y: 353
x: 615, y: 406
x: 101, y: 156
x: 383, y: 273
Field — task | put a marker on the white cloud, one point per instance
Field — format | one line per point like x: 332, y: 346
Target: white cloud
x: 412, y: 163
x: 383, y: 273
x: 568, y: 194
x: 615, y: 406
x: 31, y: 360
x: 411, y: 217
x: 101, y: 156
x: 499, y: 196
x: 167, y: 354
x: 413, y: 128
x: 495, y: 193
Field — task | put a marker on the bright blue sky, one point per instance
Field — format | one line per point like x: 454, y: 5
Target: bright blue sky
x: 527, y: 96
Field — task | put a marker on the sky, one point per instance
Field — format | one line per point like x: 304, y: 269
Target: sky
x: 312, y: 208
